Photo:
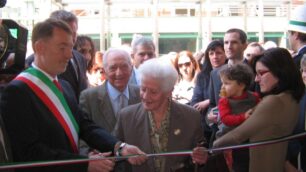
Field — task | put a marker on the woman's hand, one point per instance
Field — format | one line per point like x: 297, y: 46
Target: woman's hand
x: 201, y: 105
x: 133, y: 150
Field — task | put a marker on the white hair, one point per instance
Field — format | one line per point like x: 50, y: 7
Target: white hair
x: 161, y: 70
x: 116, y: 50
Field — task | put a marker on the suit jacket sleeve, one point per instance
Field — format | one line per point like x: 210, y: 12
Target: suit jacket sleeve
x: 265, y: 115
x: 95, y: 136
x: 198, y: 90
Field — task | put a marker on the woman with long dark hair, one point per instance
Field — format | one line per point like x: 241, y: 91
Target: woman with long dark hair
x: 275, y: 116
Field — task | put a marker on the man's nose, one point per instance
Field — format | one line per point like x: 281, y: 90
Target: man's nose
x: 118, y: 71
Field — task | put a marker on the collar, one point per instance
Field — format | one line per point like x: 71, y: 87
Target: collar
x: 304, y: 46
x: 49, y: 76
x: 114, y: 93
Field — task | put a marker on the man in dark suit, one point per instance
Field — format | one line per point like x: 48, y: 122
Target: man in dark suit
x: 42, y: 117
x: 75, y: 73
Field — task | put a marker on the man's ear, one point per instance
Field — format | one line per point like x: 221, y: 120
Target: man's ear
x: 132, y: 58
x: 39, y: 47
x: 245, y: 46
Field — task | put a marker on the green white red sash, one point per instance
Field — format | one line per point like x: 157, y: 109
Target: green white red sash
x: 52, y: 97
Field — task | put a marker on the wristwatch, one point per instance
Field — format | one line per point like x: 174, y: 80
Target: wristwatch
x: 119, y: 149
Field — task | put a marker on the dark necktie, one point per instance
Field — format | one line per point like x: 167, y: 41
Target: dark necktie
x: 58, y: 85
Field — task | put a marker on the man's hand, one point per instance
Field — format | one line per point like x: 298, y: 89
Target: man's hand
x: 133, y: 150
x: 199, y: 155
x: 100, y: 165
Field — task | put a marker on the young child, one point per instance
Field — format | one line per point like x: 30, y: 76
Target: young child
x: 236, y: 102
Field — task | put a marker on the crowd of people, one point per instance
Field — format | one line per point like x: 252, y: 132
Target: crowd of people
x: 74, y: 101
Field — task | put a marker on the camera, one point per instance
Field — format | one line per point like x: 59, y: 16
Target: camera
x: 13, y: 47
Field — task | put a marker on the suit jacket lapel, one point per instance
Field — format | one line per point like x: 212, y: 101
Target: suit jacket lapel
x: 106, y: 107
x: 142, y: 121
x: 134, y: 98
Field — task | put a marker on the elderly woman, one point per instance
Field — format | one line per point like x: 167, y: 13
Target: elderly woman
x: 275, y: 116
x: 158, y: 124
x: 187, y: 68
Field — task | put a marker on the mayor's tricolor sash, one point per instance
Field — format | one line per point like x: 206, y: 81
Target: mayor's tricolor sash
x: 52, y: 97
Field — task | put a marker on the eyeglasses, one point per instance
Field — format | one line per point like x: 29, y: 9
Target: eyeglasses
x: 186, y: 64
x: 261, y: 73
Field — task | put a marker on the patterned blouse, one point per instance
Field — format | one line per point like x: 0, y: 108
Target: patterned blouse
x: 159, y: 140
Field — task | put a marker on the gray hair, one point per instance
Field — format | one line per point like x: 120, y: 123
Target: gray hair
x: 123, y: 52
x: 64, y: 15
x: 256, y: 44
x: 143, y: 41
x: 161, y: 70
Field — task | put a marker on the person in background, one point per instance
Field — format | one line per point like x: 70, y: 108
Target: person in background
x: 253, y: 49
x: 86, y: 47
x: 297, y: 33
x: 297, y: 147
x: 143, y: 49
x: 49, y: 121
x: 273, y: 117
x: 235, y: 42
x: 94, y: 72
x: 297, y: 43
x: 158, y: 124
x: 75, y: 73
x: 187, y: 68
x: 214, y: 57
x: 97, y: 76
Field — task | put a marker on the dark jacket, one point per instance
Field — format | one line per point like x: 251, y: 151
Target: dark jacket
x: 36, y: 135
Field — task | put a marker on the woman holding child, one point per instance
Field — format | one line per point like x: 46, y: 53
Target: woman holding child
x: 275, y: 116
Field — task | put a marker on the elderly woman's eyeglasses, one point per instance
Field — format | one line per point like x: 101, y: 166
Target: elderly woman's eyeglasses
x: 186, y: 64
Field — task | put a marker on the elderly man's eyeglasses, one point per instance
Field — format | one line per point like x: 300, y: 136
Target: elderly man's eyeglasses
x: 186, y: 64
x: 262, y: 73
